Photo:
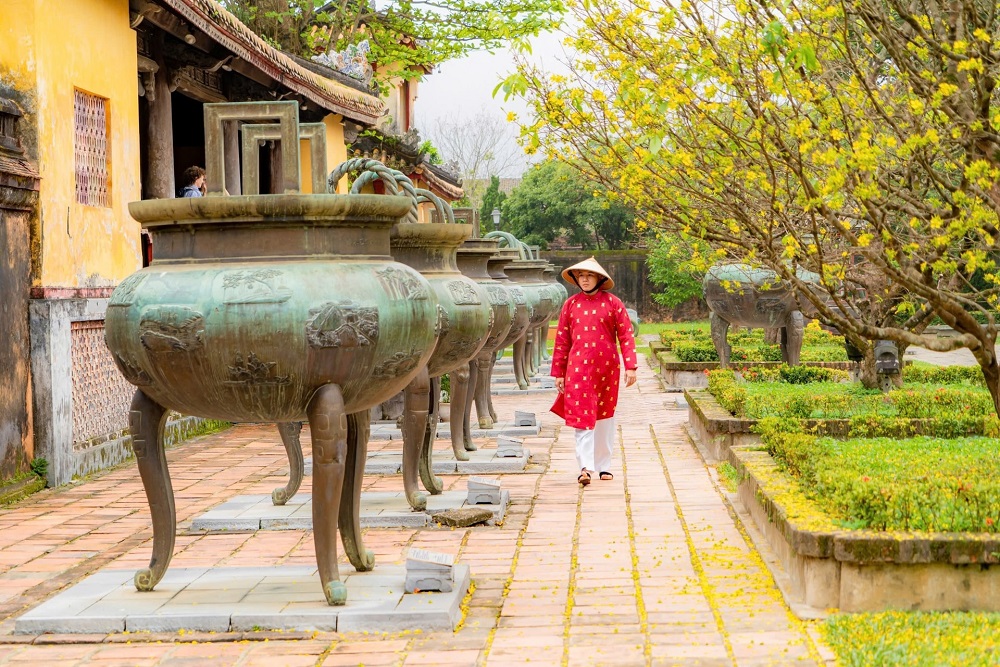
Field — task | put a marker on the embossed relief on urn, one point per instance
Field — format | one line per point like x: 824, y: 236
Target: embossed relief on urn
x: 473, y: 258
x: 276, y: 308
x: 521, y: 318
x: 464, y: 316
x: 333, y: 319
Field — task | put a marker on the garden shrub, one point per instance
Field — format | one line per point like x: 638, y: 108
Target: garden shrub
x: 795, y: 452
x: 824, y: 354
x: 695, y: 351
x: 922, y: 483
x: 804, y: 374
x: 810, y: 401
x: 914, y: 639
x: 917, y: 403
x: 939, y: 375
x: 723, y: 385
x: 669, y: 338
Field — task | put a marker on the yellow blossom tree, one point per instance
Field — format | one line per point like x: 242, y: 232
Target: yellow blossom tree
x: 856, y: 139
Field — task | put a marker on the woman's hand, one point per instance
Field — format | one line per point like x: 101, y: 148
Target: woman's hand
x: 560, y: 384
x: 629, y: 377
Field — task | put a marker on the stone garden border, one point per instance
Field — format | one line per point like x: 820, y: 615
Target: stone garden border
x: 850, y: 570
x: 691, y: 374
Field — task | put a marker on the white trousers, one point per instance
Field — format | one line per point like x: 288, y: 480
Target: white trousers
x: 594, y: 446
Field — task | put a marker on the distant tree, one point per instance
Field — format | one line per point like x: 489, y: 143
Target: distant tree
x: 671, y: 268
x: 492, y: 199
x: 479, y: 146
x: 409, y: 34
x: 553, y: 200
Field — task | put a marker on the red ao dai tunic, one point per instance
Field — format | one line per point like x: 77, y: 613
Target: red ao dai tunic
x: 586, y: 355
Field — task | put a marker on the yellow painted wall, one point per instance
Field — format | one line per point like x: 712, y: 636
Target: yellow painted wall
x: 336, y: 151
x: 62, y: 46
x: 17, y: 66
x: 336, y: 148
x: 17, y: 62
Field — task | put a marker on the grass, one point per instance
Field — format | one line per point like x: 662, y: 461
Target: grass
x: 659, y: 327
x: 914, y: 639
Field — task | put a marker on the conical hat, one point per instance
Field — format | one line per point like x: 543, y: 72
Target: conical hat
x: 588, y: 265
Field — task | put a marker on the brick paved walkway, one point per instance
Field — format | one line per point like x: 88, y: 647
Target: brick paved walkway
x: 648, y: 569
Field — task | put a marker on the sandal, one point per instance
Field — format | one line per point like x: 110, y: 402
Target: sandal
x: 605, y: 476
x: 584, y: 478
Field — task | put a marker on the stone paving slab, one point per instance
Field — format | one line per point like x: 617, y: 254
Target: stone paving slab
x: 379, y: 509
x: 228, y: 599
x: 390, y: 462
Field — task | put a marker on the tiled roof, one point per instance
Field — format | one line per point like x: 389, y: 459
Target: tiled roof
x: 224, y: 28
x: 440, y: 181
x: 17, y: 166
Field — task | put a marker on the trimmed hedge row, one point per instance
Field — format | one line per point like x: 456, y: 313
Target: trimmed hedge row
x: 923, y: 483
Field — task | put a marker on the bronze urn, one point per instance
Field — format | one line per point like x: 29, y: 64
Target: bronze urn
x: 277, y: 308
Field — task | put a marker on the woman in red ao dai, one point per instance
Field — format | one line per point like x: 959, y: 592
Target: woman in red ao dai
x: 592, y: 326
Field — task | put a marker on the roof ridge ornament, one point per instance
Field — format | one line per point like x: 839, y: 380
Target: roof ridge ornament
x: 352, y: 61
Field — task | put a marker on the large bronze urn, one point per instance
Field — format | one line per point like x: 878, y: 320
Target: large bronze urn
x: 527, y: 273
x: 496, y: 266
x: 473, y: 261
x: 464, y: 320
x: 273, y: 308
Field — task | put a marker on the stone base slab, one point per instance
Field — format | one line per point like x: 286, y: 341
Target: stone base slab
x: 243, y: 599
x: 379, y: 509
x: 480, y: 461
x: 496, y: 391
x: 389, y: 431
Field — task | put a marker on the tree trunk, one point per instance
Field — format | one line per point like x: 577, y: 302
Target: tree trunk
x: 869, y: 378
x: 991, y: 373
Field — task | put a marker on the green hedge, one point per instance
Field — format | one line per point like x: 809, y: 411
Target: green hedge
x: 727, y: 391
x: 923, y: 483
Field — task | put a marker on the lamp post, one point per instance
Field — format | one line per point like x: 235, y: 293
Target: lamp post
x: 496, y: 219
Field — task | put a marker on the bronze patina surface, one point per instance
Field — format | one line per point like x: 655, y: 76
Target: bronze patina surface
x: 473, y: 260
x: 465, y: 318
x: 276, y: 308
x: 742, y: 295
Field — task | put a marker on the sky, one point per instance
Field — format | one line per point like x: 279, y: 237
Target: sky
x: 461, y: 88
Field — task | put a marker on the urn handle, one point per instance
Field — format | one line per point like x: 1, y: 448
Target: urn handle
x: 314, y: 133
x: 218, y: 114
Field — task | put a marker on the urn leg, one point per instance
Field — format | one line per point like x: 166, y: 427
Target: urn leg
x: 519, y: 351
x: 358, y: 430
x: 481, y: 387
x: 470, y: 397
x: 545, y: 342
x: 489, y: 390
x: 536, y: 347
x: 328, y: 424
x: 529, y: 354
x: 791, y: 338
x: 456, y: 413
x: 146, y: 421
x: 290, y: 432
x: 432, y: 482
x: 720, y: 329
x: 416, y: 401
